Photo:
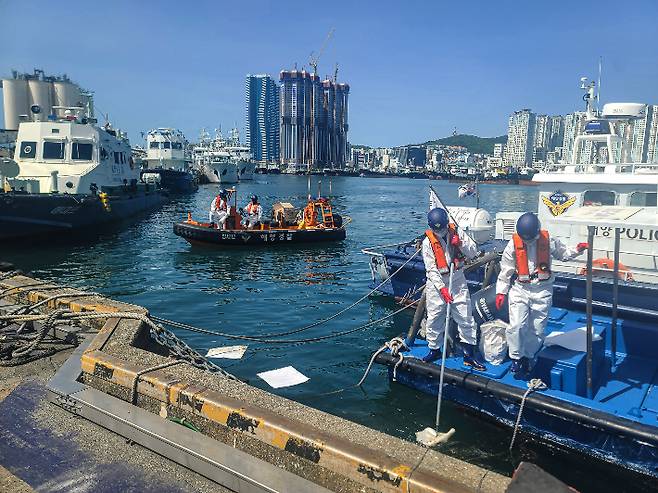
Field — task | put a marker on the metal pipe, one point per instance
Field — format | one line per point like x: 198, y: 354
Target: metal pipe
x: 590, y: 257
x: 418, y: 318
x: 615, y: 300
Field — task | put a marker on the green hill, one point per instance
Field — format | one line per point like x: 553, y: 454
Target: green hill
x: 475, y: 144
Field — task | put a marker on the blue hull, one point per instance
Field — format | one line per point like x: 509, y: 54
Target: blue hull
x: 617, y: 425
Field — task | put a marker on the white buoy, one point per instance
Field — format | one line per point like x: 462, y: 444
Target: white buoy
x: 431, y: 437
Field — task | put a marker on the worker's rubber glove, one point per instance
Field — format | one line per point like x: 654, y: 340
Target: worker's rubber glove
x: 445, y: 294
x: 581, y: 247
x: 455, y: 241
x: 500, y: 300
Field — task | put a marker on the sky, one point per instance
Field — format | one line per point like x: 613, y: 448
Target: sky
x: 417, y: 70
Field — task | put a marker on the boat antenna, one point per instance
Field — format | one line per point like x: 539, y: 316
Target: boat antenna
x: 598, y: 87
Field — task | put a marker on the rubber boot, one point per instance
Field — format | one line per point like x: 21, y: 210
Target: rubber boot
x: 433, y: 355
x: 471, y: 358
x: 519, y: 368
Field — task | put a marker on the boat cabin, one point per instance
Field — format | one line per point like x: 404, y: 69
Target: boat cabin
x: 71, y: 156
x: 165, y: 148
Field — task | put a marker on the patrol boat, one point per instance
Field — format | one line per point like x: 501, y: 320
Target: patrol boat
x: 594, y: 387
x: 315, y: 223
x: 600, y: 172
x: 165, y: 163
x: 67, y: 174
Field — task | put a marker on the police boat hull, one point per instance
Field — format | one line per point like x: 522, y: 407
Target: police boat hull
x: 617, y: 425
x: 174, y: 181
x: 204, y: 234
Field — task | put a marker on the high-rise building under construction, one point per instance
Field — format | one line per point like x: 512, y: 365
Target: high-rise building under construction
x: 313, y: 120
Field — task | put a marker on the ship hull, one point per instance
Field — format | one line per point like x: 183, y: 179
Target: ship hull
x: 246, y: 171
x: 173, y: 180
x: 221, y: 172
x: 24, y: 215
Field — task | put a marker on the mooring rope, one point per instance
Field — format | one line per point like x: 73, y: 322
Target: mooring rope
x: 534, y: 384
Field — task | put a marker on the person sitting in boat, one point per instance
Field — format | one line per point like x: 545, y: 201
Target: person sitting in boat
x: 525, y: 274
x: 442, y: 245
x: 253, y: 213
x: 219, y: 210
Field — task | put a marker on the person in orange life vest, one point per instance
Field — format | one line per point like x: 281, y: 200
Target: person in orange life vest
x: 442, y: 245
x: 254, y: 213
x: 219, y: 209
x: 525, y: 274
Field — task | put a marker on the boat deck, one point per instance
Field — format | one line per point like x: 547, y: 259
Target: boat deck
x: 628, y: 390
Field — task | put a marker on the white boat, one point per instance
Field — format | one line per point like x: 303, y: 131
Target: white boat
x: 222, y: 160
x: 599, y: 172
x: 165, y: 162
x: 67, y: 173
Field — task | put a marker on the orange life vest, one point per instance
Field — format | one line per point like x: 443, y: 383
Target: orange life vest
x: 543, y: 260
x: 439, y: 254
x: 218, y: 204
x: 252, y: 208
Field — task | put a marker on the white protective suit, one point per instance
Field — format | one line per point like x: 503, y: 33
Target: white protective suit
x: 254, y: 215
x: 218, y: 213
x: 529, y: 303
x: 461, y: 306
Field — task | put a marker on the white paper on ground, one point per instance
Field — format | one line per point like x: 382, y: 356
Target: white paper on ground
x: 283, y: 377
x: 227, y: 352
x: 576, y: 339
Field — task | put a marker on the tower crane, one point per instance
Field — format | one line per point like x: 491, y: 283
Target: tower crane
x: 313, y: 59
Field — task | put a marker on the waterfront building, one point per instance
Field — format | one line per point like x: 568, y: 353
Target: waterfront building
x: 573, y: 125
x: 262, y: 107
x: 520, y: 136
x: 652, y: 142
x: 314, y: 120
x: 555, y: 132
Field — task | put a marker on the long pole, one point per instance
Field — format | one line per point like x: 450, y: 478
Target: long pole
x: 452, y: 219
x: 615, y: 299
x: 590, y: 257
x: 444, y: 350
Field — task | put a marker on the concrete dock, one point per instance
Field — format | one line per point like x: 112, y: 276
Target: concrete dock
x: 237, y: 436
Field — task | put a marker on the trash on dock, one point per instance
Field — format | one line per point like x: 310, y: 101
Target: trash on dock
x: 283, y: 377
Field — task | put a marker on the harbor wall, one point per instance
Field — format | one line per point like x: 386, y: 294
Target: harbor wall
x: 331, y: 452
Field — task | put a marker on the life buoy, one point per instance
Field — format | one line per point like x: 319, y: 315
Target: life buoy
x: 606, y: 266
x: 310, y: 215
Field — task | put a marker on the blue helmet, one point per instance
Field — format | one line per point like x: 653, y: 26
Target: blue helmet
x: 254, y: 198
x: 437, y: 219
x: 528, y: 226
x: 222, y: 193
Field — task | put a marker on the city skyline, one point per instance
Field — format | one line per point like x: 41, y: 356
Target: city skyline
x: 415, y: 73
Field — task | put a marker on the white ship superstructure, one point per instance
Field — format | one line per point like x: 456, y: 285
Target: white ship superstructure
x: 223, y: 160
x: 599, y: 173
x: 165, y: 149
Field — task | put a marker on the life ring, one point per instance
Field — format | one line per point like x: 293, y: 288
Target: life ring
x: 605, y: 266
x: 309, y: 215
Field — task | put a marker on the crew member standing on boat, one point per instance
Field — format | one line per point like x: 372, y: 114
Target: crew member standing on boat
x: 525, y: 273
x: 219, y: 210
x: 254, y: 213
x: 442, y: 245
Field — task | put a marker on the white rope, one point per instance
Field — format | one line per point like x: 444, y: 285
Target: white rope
x: 394, y: 345
x: 534, y: 384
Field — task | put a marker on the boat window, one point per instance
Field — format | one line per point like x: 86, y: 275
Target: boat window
x: 123, y: 158
x: 82, y: 151
x: 154, y: 145
x: 177, y: 145
x: 53, y: 149
x: 28, y: 149
x: 167, y: 145
x: 643, y: 199
x: 117, y: 158
x: 599, y: 197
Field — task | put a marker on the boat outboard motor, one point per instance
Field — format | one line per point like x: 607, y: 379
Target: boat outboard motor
x: 484, y: 306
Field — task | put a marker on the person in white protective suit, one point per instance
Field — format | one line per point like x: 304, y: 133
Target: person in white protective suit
x: 442, y: 245
x: 254, y: 213
x: 219, y: 209
x: 525, y: 274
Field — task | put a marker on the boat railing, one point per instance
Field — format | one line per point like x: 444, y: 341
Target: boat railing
x: 606, y: 168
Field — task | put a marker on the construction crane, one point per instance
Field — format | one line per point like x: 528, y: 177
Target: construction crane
x: 313, y: 59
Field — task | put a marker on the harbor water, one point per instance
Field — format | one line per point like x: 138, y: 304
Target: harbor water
x: 258, y: 291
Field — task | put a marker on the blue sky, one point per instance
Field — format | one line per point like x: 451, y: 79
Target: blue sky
x: 416, y: 69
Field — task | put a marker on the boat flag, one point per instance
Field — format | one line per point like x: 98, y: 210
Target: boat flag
x: 435, y: 201
x: 466, y: 190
